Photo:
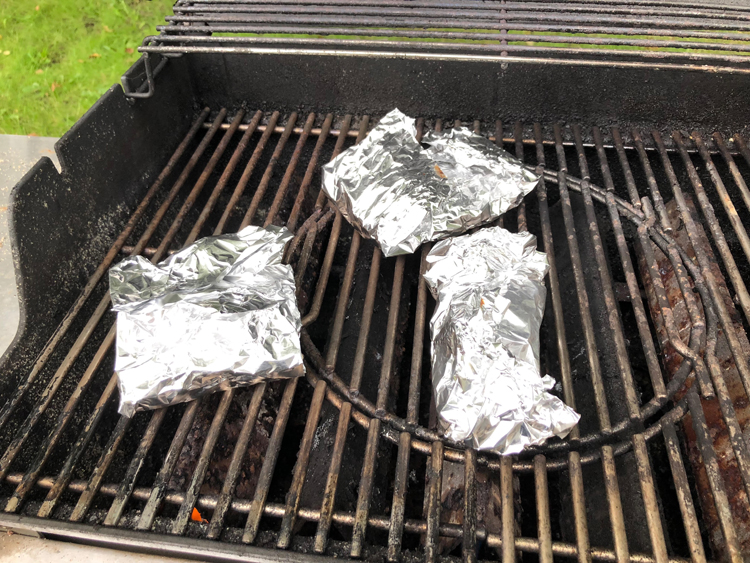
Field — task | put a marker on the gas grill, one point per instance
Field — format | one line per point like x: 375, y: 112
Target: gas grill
x: 636, y: 117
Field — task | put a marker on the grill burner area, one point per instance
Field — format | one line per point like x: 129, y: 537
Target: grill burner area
x: 645, y: 320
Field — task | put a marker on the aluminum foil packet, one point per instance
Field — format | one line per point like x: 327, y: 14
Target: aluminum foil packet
x: 490, y: 294
x: 402, y: 195
x: 218, y: 314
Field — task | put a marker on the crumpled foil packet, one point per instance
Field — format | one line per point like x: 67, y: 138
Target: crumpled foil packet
x: 218, y: 314
x: 490, y: 294
x: 401, y: 195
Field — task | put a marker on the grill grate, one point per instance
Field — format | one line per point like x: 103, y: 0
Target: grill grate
x: 649, y: 32
x: 600, y: 35
x: 370, y: 474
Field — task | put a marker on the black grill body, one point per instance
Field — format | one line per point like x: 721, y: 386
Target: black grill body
x: 226, y: 121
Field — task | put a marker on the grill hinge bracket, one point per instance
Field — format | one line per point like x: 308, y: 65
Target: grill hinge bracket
x: 147, y: 87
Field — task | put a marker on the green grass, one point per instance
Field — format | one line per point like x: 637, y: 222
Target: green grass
x: 57, y: 57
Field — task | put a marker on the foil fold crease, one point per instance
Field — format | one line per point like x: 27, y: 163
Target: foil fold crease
x: 402, y: 195
x: 490, y: 294
x: 218, y: 314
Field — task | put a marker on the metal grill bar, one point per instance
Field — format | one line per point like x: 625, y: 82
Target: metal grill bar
x: 233, y: 473
x: 499, y: 142
x: 544, y: 526
x: 420, y: 17
x: 718, y: 235
x: 524, y: 544
x: 615, y: 323
x: 583, y: 300
x: 127, y: 485
x: 518, y: 135
x: 736, y: 175
x: 253, y: 520
x: 740, y: 142
x: 639, y: 443
x: 160, y: 485
x: 615, y: 505
x: 583, y: 30
x: 300, y: 468
x: 608, y: 464
x: 649, y: 350
x: 712, y: 468
x: 574, y: 459
x: 373, y: 433
x: 101, y: 270
x: 598, y: 5
x: 469, y: 544
x: 703, y: 261
x: 682, y: 487
x: 199, y: 473
x: 506, y: 505
x: 325, y: 130
x: 422, y: 50
x: 326, y: 509
x: 705, y: 313
x: 396, y: 530
x: 477, y: 9
x: 434, y: 486
x: 269, y: 463
x: 54, y: 384
x: 474, y: 41
x: 658, y: 544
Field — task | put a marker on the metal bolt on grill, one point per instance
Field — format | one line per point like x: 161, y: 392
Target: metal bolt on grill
x: 645, y: 331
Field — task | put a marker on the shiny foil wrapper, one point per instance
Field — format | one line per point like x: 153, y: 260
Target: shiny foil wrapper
x: 490, y: 294
x: 402, y: 195
x: 221, y: 313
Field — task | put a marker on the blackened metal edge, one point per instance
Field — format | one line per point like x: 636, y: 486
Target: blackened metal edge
x: 477, y: 89
x: 158, y: 544
x: 61, y: 224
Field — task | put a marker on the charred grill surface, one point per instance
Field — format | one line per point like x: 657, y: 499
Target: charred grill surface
x: 644, y: 331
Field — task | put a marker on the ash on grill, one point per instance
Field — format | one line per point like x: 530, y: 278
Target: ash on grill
x: 222, y: 456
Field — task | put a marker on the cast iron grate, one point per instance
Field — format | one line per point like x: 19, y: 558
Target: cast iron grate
x: 641, y: 331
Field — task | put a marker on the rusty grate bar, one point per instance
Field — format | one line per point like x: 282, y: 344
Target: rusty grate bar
x: 615, y: 32
x: 569, y: 204
x: 274, y: 510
